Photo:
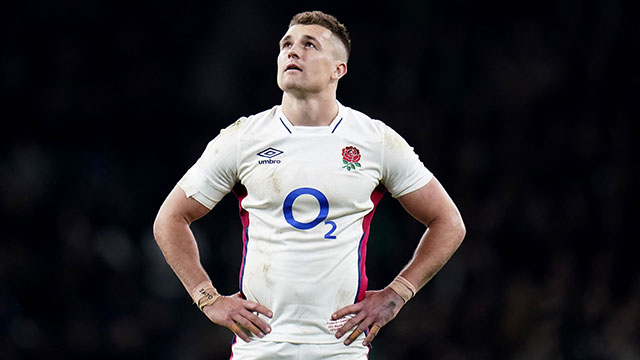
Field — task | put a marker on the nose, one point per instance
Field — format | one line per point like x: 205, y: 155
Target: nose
x: 293, y: 53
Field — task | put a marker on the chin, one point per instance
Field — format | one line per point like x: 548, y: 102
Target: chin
x: 292, y: 87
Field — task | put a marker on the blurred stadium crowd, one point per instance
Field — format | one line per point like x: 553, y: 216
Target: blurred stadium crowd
x: 522, y: 109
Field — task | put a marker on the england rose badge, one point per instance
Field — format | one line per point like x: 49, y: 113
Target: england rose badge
x: 350, y: 157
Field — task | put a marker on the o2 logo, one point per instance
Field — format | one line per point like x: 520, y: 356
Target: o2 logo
x: 287, y: 209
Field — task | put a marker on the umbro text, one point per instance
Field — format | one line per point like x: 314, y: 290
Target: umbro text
x: 268, y: 161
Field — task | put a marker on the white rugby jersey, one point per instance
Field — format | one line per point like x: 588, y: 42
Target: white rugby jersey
x: 307, y: 196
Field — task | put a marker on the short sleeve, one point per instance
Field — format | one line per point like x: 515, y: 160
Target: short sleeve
x: 402, y: 170
x: 215, y: 173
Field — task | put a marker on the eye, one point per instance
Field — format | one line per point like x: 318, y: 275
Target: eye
x: 310, y: 44
x: 285, y: 45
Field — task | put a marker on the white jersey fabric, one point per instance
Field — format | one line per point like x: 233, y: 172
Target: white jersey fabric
x: 307, y: 196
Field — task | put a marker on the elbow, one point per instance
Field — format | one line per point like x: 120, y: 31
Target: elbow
x: 159, y: 225
x: 457, y: 228
x: 461, y: 229
x: 167, y: 223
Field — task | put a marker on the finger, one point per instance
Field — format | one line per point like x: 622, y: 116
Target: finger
x: 349, y: 309
x: 254, y: 306
x: 257, y: 321
x: 353, y: 322
x: 354, y: 335
x: 357, y: 331
x: 372, y: 334
x: 239, y: 332
x: 248, y: 325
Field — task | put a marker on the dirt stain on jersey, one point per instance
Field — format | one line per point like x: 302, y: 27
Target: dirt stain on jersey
x: 237, y: 123
x: 233, y: 128
x: 392, y: 140
x: 266, y: 270
x: 275, y: 183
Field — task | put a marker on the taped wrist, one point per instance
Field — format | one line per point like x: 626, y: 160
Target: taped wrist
x: 204, y: 295
x: 403, y: 287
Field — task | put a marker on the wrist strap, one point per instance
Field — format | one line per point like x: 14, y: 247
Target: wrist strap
x: 204, y: 295
x: 403, y: 287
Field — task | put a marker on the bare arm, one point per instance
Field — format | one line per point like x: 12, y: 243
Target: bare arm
x: 432, y: 206
x: 174, y: 237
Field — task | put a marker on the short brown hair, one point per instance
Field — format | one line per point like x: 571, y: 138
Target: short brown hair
x: 327, y: 21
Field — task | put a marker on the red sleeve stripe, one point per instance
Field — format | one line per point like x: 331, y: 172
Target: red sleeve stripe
x: 241, y: 192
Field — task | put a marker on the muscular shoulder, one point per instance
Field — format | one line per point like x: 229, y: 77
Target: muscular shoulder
x: 362, y: 123
x: 250, y: 124
x: 260, y: 120
x: 225, y: 145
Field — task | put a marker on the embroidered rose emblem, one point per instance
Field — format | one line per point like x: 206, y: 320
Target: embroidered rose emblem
x: 350, y: 157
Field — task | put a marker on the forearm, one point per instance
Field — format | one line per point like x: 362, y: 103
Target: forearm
x: 441, y: 239
x: 179, y: 247
x: 175, y: 239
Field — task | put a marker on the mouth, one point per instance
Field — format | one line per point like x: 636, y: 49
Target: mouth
x: 292, y: 67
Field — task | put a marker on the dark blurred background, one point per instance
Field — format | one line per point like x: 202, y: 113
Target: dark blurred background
x: 522, y: 109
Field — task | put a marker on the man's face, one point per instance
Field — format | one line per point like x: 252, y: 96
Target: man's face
x: 308, y: 58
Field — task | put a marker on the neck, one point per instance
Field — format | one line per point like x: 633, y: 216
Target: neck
x: 309, y: 111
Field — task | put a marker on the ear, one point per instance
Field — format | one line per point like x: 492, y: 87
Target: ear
x: 339, y: 71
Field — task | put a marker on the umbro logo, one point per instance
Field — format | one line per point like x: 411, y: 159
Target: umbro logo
x: 269, y: 153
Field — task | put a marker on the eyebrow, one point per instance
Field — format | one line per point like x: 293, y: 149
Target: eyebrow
x: 304, y: 37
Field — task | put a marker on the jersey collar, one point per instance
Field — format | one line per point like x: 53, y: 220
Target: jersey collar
x: 292, y: 129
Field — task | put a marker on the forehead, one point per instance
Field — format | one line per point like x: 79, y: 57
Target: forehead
x: 316, y: 31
